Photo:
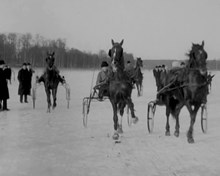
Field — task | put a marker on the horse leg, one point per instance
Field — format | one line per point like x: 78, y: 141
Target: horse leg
x: 54, y: 94
x: 48, y: 99
x: 193, y: 113
x: 141, y: 88
x: 131, y: 107
x: 167, y: 133
x: 138, y: 89
x: 122, y: 106
x: 115, y: 119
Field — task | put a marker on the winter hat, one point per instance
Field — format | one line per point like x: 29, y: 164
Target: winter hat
x: 2, y: 62
x: 104, y: 64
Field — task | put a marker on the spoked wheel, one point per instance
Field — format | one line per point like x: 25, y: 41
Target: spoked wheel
x: 86, y: 104
x: 204, y: 118
x: 128, y: 117
x: 150, y: 116
x: 67, y: 94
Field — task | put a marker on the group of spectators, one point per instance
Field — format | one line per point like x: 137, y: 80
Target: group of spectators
x: 24, y: 78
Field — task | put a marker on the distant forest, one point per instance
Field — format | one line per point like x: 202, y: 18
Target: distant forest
x: 16, y: 49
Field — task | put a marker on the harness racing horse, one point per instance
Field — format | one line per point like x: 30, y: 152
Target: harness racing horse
x: 120, y: 88
x: 195, y: 94
x: 51, y: 79
x: 186, y: 87
x: 137, y: 76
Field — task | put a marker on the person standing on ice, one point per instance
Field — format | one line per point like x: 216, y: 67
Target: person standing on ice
x: 4, y: 92
x: 23, y: 89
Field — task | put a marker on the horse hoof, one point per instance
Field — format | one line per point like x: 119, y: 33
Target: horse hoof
x: 191, y: 140
x: 135, y: 120
x: 167, y: 133
x: 54, y: 105
x: 115, y: 136
x: 119, y: 130
x: 176, y: 133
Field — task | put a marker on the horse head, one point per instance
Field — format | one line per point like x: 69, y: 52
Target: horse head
x: 116, y: 54
x: 50, y: 59
x: 139, y: 62
x: 197, y: 57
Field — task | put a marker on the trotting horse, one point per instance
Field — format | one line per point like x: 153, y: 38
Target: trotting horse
x: 186, y: 87
x: 120, y: 88
x: 51, y: 80
x: 137, y: 76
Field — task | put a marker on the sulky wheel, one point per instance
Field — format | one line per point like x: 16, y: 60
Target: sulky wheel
x: 85, y: 111
x: 68, y: 97
x: 34, y: 96
x: 204, y: 118
x: 129, y: 117
x: 150, y: 116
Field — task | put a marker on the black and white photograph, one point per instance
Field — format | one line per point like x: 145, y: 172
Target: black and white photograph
x: 109, y: 88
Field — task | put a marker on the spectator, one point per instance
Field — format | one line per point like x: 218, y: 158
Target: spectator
x: 23, y: 89
x: 4, y: 93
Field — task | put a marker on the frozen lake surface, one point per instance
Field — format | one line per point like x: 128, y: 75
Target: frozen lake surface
x: 36, y: 143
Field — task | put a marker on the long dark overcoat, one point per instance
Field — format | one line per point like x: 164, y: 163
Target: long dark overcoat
x: 29, y: 79
x: 24, y: 86
x: 4, y: 93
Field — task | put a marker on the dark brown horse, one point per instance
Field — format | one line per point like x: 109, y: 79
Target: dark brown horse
x: 185, y: 87
x: 137, y: 76
x: 51, y: 80
x: 120, y: 88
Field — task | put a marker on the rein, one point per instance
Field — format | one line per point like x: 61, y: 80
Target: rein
x: 167, y: 89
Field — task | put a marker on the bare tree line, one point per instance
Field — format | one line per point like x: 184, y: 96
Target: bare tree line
x: 18, y: 48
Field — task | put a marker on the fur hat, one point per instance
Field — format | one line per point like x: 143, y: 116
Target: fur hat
x: 104, y: 64
x: 2, y: 62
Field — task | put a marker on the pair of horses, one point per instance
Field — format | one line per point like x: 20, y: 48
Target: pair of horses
x: 120, y: 85
x: 187, y: 86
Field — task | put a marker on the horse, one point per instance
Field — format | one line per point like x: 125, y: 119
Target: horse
x: 186, y: 86
x: 120, y: 88
x: 51, y: 80
x: 195, y: 94
x: 137, y: 76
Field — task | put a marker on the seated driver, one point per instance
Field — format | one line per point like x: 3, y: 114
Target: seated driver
x: 102, y: 80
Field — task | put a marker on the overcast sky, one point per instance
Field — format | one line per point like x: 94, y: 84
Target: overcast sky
x: 151, y: 29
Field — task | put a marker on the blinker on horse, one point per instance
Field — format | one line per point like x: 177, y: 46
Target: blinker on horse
x: 120, y: 88
x: 51, y: 79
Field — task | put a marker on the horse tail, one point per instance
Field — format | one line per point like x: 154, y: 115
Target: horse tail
x: 121, y: 103
x: 120, y: 98
x: 173, y: 106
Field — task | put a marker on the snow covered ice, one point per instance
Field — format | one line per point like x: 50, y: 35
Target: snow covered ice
x: 36, y: 143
